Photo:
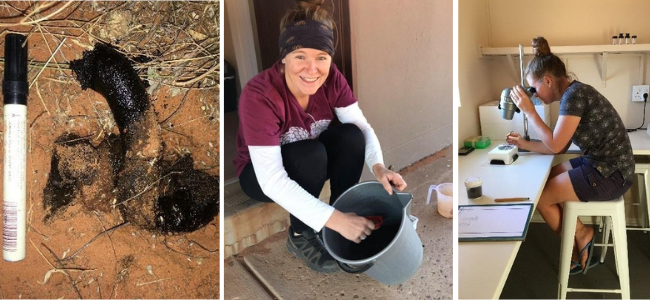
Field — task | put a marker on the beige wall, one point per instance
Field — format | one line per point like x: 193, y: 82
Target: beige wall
x: 239, y: 26
x: 575, y: 22
x: 403, y: 67
x: 563, y: 23
x: 228, y: 45
x: 474, y: 82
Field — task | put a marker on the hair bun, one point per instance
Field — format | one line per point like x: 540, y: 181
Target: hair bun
x: 308, y: 10
x: 310, y: 4
x: 540, y: 47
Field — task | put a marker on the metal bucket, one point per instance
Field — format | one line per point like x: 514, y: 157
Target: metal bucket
x: 391, y: 254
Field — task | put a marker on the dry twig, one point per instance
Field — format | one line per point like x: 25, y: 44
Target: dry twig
x: 150, y: 282
x: 58, y: 270
x: 46, y: 63
x: 94, y: 238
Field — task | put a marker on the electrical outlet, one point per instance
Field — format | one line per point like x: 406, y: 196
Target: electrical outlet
x: 638, y: 91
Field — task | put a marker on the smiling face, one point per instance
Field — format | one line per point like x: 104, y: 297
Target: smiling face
x: 305, y: 70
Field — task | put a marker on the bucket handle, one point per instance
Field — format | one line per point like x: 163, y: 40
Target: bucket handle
x: 431, y: 188
x: 345, y: 267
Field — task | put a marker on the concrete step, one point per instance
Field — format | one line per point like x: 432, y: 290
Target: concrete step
x: 248, y: 222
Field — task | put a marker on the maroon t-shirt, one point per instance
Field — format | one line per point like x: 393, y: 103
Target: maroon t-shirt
x: 269, y: 114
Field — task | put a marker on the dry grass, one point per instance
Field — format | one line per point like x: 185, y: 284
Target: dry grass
x: 172, y: 43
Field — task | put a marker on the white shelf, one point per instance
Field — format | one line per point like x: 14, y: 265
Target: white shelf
x: 489, y: 51
x: 603, y: 50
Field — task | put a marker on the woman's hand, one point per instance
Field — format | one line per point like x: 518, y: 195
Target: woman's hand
x: 519, y: 97
x: 350, y: 226
x: 516, y: 139
x: 388, y: 177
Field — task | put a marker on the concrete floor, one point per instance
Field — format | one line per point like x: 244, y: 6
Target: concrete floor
x: 267, y: 269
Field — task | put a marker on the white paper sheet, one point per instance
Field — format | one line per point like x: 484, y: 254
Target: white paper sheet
x: 493, y: 222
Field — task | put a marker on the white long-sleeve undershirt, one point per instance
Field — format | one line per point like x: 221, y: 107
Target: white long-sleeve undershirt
x: 276, y: 184
x: 352, y: 114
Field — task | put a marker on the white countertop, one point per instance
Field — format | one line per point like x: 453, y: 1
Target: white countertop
x: 503, y: 181
x: 639, y: 139
x: 483, y: 267
x: 640, y: 142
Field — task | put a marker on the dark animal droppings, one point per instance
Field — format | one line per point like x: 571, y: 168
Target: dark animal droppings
x: 110, y: 73
x: 151, y: 193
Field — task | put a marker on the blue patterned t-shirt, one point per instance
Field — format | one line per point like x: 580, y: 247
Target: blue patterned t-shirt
x: 601, y: 134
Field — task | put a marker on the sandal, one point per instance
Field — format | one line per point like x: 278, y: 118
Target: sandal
x: 590, y: 252
x: 576, y: 268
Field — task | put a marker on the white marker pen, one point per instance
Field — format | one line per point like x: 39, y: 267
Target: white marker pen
x: 14, y: 89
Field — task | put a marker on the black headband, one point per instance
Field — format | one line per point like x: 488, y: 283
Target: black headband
x: 306, y: 34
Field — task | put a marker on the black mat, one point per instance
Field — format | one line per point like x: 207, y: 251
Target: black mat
x: 534, y: 273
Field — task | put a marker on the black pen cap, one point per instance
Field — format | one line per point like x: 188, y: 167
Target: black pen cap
x: 14, y: 86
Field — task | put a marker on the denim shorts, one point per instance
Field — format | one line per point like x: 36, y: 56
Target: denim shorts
x: 590, y: 185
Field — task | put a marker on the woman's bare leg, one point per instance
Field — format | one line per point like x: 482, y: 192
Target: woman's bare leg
x: 559, y: 189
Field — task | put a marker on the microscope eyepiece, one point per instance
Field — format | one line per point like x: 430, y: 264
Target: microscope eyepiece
x: 532, y: 90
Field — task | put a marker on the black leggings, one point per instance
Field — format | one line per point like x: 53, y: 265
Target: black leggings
x: 337, y: 154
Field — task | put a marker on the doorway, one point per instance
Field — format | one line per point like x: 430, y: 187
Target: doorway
x: 268, y: 15
x: 266, y: 24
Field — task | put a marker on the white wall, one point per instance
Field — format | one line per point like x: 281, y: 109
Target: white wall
x: 622, y: 69
x: 509, y: 23
x: 403, y: 67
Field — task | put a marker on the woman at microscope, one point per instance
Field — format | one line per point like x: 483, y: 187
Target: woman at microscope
x: 589, y: 120
x: 288, y: 144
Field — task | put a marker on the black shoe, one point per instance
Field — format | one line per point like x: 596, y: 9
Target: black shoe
x: 311, y: 250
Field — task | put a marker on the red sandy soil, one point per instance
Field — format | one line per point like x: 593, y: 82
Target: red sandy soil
x: 126, y: 262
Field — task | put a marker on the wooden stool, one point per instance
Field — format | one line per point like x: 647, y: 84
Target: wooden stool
x: 615, y: 210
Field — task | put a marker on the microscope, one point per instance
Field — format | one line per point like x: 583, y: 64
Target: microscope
x: 508, y: 107
x: 506, y: 154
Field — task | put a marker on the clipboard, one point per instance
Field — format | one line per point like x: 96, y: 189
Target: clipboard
x: 494, y: 222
